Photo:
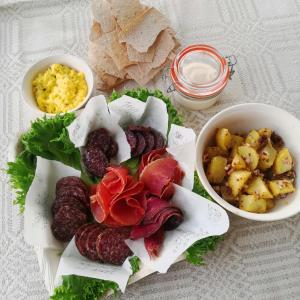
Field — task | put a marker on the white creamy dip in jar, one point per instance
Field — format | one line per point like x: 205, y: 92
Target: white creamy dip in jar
x: 199, y: 74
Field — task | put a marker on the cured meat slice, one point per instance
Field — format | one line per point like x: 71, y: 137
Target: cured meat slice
x: 95, y: 161
x: 159, y: 214
x: 111, y: 247
x: 154, y: 242
x: 131, y: 138
x: 70, y: 201
x: 91, y: 251
x: 81, y: 235
x: 71, y: 181
x: 66, y: 221
x: 73, y: 192
x: 159, y: 175
x: 150, y: 141
x: 127, y: 211
x: 113, y: 149
x: 159, y: 139
x: 151, y: 156
x: 140, y: 145
x: 117, y: 199
x: 115, y: 180
x: 99, y: 138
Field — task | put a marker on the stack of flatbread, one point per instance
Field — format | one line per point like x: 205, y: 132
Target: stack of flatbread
x: 128, y: 40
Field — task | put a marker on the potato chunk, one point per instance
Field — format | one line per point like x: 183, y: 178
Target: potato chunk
x: 270, y: 204
x: 226, y: 194
x: 258, y: 187
x: 253, y: 139
x: 236, y: 140
x: 216, y: 169
x: 223, y: 138
x: 267, y: 157
x: 283, y: 161
x: 211, y: 152
x: 238, y: 163
x: 249, y: 155
x: 281, y: 187
x: 266, y: 132
x: 253, y: 204
x: 236, y: 181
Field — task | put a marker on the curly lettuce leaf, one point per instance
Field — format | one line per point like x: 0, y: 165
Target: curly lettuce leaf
x: 84, y: 288
x: 49, y: 138
x: 21, y: 173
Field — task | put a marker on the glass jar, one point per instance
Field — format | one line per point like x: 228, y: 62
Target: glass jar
x: 199, y: 73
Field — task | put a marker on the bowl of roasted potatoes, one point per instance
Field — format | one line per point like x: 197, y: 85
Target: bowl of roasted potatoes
x: 247, y: 161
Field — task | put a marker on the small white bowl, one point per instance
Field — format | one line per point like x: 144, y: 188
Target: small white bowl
x: 241, y: 119
x: 71, y: 61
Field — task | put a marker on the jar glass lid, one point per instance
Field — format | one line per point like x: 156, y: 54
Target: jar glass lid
x: 199, y: 71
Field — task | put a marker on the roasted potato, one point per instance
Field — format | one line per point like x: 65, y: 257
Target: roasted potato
x: 216, y: 169
x: 266, y: 132
x: 223, y: 138
x: 237, y: 179
x: 283, y: 161
x: 253, y: 204
x: 267, y: 157
x: 211, y: 152
x: 258, y: 187
x: 249, y: 155
x: 281, y: 187
x: 226, y: 194
x: 238, y: 163
x: 270, y: 204
x: 252, y: 139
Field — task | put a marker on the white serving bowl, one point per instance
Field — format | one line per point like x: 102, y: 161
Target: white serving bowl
x: 71, y: 61
x: 241, y: 119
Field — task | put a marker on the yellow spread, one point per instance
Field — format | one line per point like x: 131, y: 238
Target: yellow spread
x: 59, y: 89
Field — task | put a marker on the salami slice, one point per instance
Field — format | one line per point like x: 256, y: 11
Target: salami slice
x: 150, y: 141
x: 91, y: 251
x: 159, y: 139
x: 82, y: 235
x: 95, y: 161
x: 140, y: 146
x: 73, y: 191
x: 71, y: 181
x: 99, y: 138
x: 131, y: 138
x: 137, y: 128
x: 66, y: 221
x: 71, y: 201
x: 113, y: 149
x: 111, y: 247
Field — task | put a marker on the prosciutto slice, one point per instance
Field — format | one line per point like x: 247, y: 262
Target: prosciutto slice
x: 159, y: 174
x: 159, y: 214
x: 118, y: 199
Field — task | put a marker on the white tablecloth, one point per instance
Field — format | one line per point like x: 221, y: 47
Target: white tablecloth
x: 256, y: 260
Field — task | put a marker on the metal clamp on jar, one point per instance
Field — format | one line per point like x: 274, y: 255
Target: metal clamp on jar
x: 199, y: 73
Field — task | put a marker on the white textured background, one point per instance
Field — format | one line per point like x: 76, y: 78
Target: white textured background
x: 256, y: 260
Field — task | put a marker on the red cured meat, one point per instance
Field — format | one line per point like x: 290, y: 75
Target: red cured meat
x: 70, y: 201
x: 159, y: 139
x: 160, y: 174
x: 81, y: 236
x: 99, y: 138
x: 119, y: 199
x: 111, y: 247
x: 150, y: 141
x: 154, y: 243
x: 140, y: 145
x: 71, y: 181
x: 131, y: 139
x: 113, y: 149
x: 90, y: 244
x: 95, y: 161
x: 158, y: 213
x: 75, y: 192
x: 151, y: 156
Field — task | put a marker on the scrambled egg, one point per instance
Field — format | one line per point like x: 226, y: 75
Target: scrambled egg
x: 59, y: 89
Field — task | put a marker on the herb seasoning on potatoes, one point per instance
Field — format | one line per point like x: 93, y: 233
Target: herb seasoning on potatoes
x: 250, y: 171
